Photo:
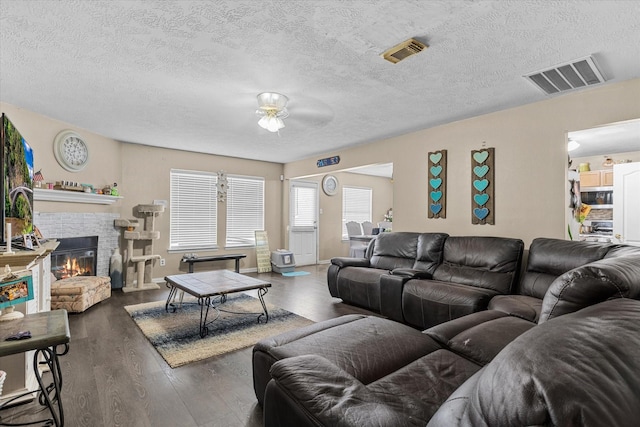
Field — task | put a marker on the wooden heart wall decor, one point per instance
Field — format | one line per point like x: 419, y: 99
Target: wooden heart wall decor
x: 437, y: 184
x: 482, y: 186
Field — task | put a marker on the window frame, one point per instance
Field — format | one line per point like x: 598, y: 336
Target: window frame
x: 345, y: 189
x: 251, y: 242
x: 205, y: 183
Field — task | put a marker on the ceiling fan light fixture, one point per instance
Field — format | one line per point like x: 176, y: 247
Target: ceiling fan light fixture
x: 272, y: 107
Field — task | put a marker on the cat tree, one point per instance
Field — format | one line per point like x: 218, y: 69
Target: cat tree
x: 142, y: 263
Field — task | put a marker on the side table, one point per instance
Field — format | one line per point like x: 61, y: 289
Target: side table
x: 49, y: 330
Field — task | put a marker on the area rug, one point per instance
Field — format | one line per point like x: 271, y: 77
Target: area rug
x: 175, y: 335
x: 295, y: 273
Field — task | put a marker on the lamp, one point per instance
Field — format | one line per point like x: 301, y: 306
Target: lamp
x: 572, y: 145
x: 14, y: 291
x: 272, y: 107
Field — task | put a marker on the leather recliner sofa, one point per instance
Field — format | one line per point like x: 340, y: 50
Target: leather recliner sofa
x: 427, y: 278
x: 364, y: 370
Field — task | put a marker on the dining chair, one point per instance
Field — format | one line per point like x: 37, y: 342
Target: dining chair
x: 367, y: 228
x: 353, y: 229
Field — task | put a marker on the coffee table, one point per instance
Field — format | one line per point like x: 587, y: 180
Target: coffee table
x: 208, y: 284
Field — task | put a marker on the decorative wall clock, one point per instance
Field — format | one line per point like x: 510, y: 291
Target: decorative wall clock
x: 330, y: 185
x: 70, y: 150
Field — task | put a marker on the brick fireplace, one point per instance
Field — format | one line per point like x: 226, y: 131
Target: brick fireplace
x: 68, y: 224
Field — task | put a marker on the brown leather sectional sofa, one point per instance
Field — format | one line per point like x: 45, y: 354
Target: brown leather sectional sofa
x: 423, y: 279
x: 562, y: 349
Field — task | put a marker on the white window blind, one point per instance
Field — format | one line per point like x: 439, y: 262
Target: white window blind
x: 356, y: 206
x: 245, y: 210
x: 304, y: 206
x: 193, y: 210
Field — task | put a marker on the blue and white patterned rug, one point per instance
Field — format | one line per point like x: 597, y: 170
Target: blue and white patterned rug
x: 176, y: 335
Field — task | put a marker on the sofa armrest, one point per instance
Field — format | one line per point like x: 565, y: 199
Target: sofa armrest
x: 391, y: 286
x: 343, y: 262
x: 411, y: 273
x: 310, y: 390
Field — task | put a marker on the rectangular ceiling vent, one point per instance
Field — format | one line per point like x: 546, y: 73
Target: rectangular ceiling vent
x: 573, y: 75
x: 403, y: 50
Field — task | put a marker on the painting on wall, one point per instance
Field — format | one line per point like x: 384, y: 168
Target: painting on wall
x: 437, y: 174
x: 483, y: 186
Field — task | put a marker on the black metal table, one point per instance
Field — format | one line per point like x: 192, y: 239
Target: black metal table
x: 208, y: 284
x: 49, y: 330
x: 236, y: 257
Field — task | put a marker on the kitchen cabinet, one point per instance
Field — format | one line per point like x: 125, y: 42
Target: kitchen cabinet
x: 599, y: 178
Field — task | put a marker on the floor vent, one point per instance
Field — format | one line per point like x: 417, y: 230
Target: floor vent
x: 573, y: 75
x: 403, y: 50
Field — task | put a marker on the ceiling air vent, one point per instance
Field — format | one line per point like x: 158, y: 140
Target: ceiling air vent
x: 573, y: 75
x: 403, y: 50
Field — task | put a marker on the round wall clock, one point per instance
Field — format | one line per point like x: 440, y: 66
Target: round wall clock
x: 70, y: 151
x: 330, y: 185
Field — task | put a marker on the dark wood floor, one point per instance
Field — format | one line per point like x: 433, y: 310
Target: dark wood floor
x: 114, y: 377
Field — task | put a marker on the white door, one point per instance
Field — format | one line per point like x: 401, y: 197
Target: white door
x: 303, y: 222
x: 626, y: 203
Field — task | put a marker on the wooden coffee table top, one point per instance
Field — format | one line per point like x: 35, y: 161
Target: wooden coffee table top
x: 209, y: 283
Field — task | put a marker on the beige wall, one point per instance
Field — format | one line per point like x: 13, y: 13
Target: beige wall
x: 142, y: 174
x: 330, y: 243
x: 104, y: 157
x: 530, y: 177
x: 531, y: 163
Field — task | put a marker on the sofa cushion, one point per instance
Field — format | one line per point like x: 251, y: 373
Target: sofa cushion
x: 592, y: 283
x: 430, y: 251
x: 549, y: 258
x: 366, y: 347
x: 485, y: 262
x: 581, y: 369
x: 522, y: 306
x: 394, y: 250
x: 311, y: 391
x: 426, y: 303
x: 481, y: 343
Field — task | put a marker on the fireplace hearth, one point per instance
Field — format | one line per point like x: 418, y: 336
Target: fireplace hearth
x: 75, y: 256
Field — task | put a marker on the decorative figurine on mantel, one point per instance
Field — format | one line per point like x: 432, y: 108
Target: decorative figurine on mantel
x: 141, y: 264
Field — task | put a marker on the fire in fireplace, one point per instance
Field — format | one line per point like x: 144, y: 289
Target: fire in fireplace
x: 75, y: 256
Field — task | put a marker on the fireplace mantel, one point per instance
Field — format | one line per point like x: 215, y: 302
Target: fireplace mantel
x: 73, y: 197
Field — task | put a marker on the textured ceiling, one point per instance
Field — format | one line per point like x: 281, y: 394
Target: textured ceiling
x: 184, y: 74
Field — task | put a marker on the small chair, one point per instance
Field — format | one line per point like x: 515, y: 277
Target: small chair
x: 367, y: 228
x: 353, y: 229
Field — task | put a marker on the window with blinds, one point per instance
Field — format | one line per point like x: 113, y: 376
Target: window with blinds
x: 245, y: 210
x: 193, y: 210
x: 356, y: 206
x: 303, y: 202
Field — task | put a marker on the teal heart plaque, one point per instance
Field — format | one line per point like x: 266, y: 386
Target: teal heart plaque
x: 479, y: 185
x: 481, y: 213
x: 481, y: 199
x: 435, y: 157
x: 480, y: 156
x: 481, y: 171
x: 436, y: 195
x: 435, y: 208
x: 436, y: 183
x: 436, y: 170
